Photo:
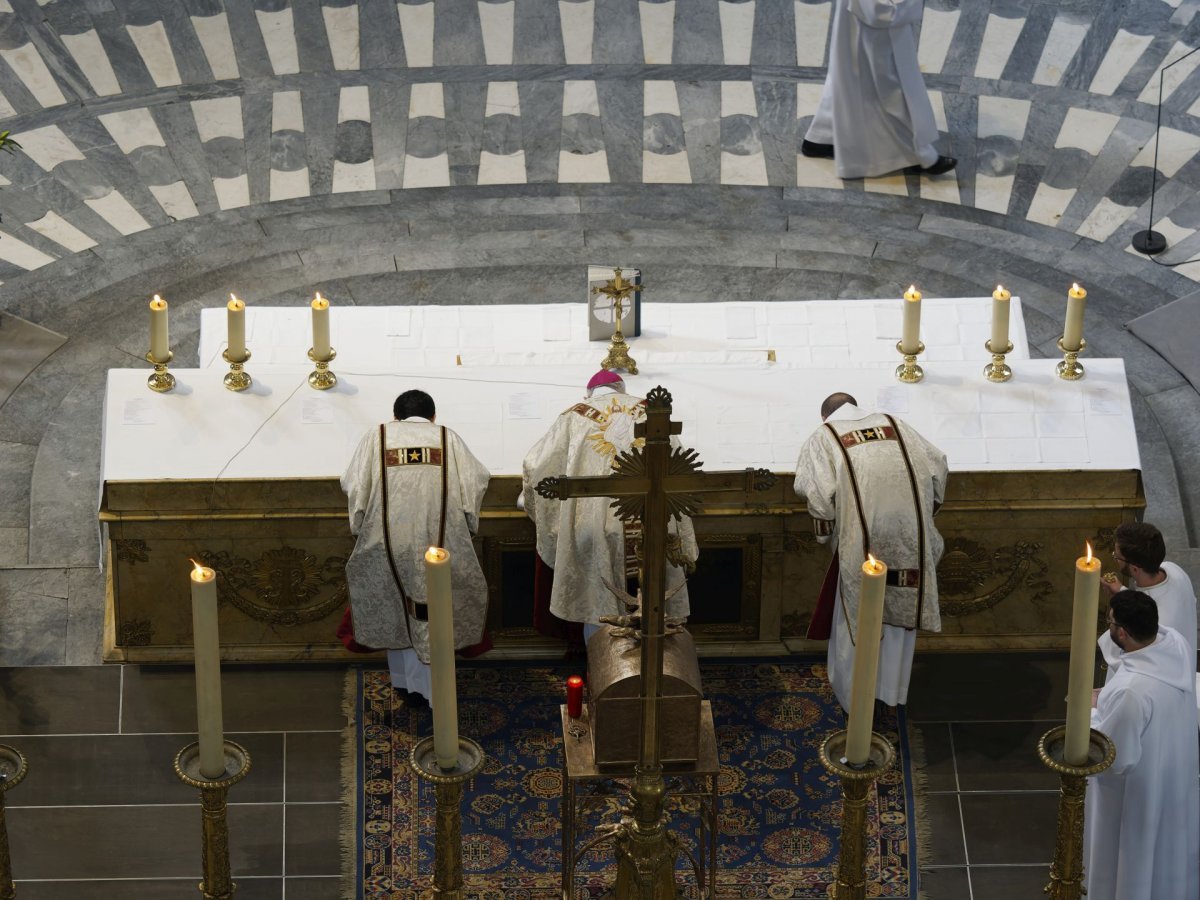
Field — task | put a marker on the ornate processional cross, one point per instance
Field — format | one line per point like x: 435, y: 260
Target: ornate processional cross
x: 652, y: 484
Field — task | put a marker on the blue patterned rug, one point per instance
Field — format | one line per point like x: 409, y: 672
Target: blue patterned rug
x: 779, y: 810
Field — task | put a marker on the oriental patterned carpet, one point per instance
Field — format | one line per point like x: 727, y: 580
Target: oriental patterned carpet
x: 779, y: 810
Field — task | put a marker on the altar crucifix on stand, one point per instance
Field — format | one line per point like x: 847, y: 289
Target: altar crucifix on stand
x: 652, y: 484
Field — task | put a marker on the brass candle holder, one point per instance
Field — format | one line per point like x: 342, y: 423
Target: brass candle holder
x: 448, y: 785
x: 237, y: 378
x: 322, y: 379
x: 997, y: 370
x: 908, y: 371
x: 1070, y: 369
x: 218, y: 882
x: 1066, y: 871
x: 851, y: 881
x: 162, y: 380
x: 13, y: 768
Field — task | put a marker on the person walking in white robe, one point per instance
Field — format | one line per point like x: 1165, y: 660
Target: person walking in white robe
x: 1142, y: 814
x: 872, y: 484
x: 582, y: 540
x: 874, y: 116
x: 410, y: 485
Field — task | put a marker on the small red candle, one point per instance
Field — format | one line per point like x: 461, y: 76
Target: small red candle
x: 574, y: 696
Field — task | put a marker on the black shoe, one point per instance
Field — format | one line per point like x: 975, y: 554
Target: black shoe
x: 817, y: 151
x: 943, y: 165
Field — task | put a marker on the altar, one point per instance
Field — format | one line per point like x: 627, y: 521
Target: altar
x: 248, y: 483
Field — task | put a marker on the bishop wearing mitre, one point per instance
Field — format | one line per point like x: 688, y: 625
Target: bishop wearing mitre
x: 582, y: 539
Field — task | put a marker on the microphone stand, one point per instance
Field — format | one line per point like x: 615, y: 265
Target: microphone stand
x: 1149, y: 241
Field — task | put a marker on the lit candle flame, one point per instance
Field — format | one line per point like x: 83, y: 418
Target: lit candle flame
x: 1074, y: 286
x: 1089, y: 551
x: 436, y: 554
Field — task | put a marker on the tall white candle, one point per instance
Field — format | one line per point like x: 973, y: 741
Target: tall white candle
x: 236, y: 327
x: 207, y: 650
x: 1000, y: 308
x: 910, y: 338
x: 866, y: 661
x: 1083, y: 658
x: 1073, y: 328
x: 441, y: 656
x: 160, y: 342
x: 320, y: 327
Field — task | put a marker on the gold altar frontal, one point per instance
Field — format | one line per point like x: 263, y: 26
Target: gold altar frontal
x: 279, y: 549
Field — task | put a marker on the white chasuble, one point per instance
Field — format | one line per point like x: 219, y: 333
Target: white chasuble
x: 414, y: 463
x: 875, y: 108
x: 1142, y: 815
x: 582, y: 540
x: 885, y: 508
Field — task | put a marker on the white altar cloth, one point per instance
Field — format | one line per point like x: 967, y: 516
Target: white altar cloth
x: 735, y: 417
x: 820, y: 333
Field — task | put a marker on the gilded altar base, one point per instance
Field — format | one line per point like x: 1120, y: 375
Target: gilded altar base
x: 279, y: 548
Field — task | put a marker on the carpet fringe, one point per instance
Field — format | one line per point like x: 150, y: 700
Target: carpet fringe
x: 922, y: 830
x: 348, y: 826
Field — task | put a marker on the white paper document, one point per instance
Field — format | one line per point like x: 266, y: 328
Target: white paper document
x: 316, y: 411
x: 139, y: 411
x: 524, y: 405
x: 741, y: 323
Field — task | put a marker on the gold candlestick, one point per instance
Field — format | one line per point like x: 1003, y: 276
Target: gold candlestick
x: 218, y: 882
x: 13, y: 768
x: 322, y: 379
x: 162, y: 380
x: 851, y: 881
x: 448, y: 785
x: 237, y: 379
x: 997, y: 370
x: 1066, y: 871
x: 908, y: 371
x: 1070, y: 369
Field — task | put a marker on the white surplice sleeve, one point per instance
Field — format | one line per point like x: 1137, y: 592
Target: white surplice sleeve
x: 359, y: 478
x: 816, y: 481
x: 546, y: 458
x: 473, y: 478
x: 1122, y: 714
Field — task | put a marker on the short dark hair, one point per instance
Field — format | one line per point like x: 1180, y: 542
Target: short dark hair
x: 1137, y: 613
x: 414, y: 403
x: 1141, y: 544
x: 835, y: 400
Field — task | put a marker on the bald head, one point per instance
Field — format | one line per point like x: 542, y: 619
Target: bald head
x: 834, y: 401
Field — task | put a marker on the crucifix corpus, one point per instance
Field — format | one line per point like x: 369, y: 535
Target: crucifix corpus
x: 652, y: 484
x: 618, y: 290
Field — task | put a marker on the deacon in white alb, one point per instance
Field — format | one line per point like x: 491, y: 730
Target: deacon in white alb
x: 411, y: 485
x: 874, y: 116
x: 1142, y: 815
x: 1140, y: 553
x: 873, y: 483
x: 582, y: 540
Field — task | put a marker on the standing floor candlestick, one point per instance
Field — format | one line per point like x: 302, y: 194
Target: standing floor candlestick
x: 908, y: 371
x: 162, y: 380
x: 237, y: 379
x: 322, y: 379
x: 851, y: 881
x: 218, y: 881
x: 13, y: 769
x: 997, y: 370
x: 1070, y: 369
x: 1066, y: 871
x: 448, y: 785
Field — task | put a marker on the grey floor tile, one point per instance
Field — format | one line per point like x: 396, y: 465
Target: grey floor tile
x: 85, y: 616
x: 255, y: 698
x: 312, y: 839
x: 945, y: 827
x: 945, y: 884
x: 1004, y: 882
x: 1010, y: 828
x: 76, y: 700
x: 936, y: 763
x: 964, y: 687
x: 314, y: 768
x: 151, y: 889
x: 1001, y: 756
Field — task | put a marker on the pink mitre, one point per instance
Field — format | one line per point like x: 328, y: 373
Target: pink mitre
x: 605, y: 377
